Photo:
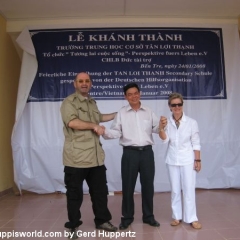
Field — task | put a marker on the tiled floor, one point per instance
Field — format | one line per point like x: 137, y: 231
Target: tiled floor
x: 36, y: 215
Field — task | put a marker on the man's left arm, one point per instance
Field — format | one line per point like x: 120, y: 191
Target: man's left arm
x: 108, y: 117
x: 156, y: 123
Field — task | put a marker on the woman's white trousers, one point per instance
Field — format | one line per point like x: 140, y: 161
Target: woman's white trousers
x: 183, y: 202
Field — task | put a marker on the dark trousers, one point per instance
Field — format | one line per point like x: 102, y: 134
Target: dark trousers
x: 97, y: 183
x: 134, y: 162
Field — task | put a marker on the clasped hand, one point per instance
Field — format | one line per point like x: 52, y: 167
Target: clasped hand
x: 99, y: 130
x: 162, y: 122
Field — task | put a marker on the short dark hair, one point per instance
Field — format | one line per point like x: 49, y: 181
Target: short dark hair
x: 130, y: 85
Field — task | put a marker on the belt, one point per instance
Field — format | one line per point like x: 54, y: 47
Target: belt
x: 138, y: 148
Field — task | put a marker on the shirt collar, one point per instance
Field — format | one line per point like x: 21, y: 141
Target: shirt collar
x: 130, y: 108
x: 182, y: 119
x: 82, y: 98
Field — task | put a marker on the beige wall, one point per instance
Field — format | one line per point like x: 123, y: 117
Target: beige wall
x: 239, y: 25
x: 9, y: 76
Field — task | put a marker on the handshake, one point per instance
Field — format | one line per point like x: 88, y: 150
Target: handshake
x: 99, y: 130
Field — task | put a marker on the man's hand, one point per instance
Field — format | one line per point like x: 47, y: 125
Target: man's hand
x: 99, y: 130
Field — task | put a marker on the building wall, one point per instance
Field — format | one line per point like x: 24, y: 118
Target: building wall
x: 9, y: 75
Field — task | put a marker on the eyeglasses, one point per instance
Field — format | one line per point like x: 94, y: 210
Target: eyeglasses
x: 176, y: 104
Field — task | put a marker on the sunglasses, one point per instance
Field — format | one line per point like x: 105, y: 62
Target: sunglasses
x: 176, y: 104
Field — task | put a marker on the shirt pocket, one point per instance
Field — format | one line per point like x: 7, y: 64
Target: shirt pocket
x: 83, y: 152
x: 83, y: 114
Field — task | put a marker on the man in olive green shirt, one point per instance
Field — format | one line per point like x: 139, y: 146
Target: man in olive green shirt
x: 83, y: 156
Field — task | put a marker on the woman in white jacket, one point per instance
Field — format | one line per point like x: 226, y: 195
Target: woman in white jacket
x: 183, y: 161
